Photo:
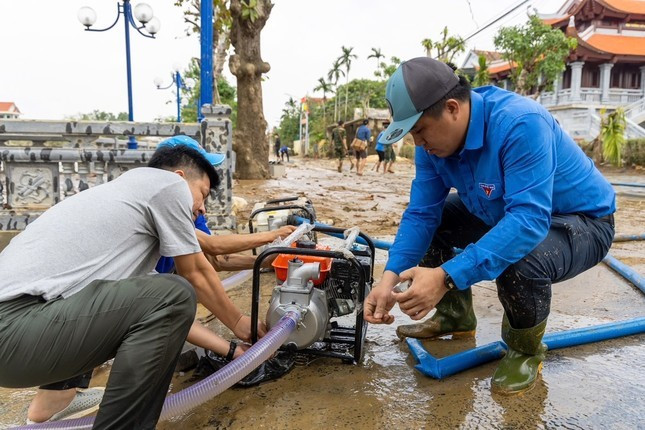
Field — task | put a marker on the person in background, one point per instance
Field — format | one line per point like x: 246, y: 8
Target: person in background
x: 380, y: 148
x: 284, y: 150
x: 363, y: 134
x: 276, y: 147
x: 339, y: 140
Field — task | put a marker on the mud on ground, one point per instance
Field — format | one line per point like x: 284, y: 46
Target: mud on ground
x: 594, y: 386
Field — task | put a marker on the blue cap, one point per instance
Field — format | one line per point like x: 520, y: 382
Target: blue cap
x: 416, y: 85
x: 214, y: 158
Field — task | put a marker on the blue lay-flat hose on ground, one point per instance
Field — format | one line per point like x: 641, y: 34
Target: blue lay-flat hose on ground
x: 443, y: 367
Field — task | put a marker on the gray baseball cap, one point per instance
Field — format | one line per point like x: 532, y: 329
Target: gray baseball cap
x: 415, y: 86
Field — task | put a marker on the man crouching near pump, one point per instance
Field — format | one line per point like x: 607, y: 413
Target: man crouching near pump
x: 530, y: 210
x: 75, y: 290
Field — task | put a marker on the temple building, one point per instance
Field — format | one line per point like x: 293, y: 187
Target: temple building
x: 606, y: 70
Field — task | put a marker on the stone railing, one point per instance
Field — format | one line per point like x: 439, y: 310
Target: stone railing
x: 591, y: 96
x: 43, y: 162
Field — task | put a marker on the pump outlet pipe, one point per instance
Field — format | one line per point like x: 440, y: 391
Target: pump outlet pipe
x: 439, y: 368
x: 226, y: 377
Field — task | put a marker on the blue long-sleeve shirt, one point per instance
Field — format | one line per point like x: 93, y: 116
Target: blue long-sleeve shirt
x: 379, y: 145
x: 167, y: 264
x: 363, y: 133
x: 516, y: 169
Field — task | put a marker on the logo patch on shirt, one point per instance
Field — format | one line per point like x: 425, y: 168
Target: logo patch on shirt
x: 488, y: 189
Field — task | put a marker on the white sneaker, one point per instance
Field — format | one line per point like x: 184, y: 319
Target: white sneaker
x: 84, y: 403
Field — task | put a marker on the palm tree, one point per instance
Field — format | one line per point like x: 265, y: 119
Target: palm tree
x: 325, y: 87
x: 376, y: 53
x: 482, y: 77
x: 447, y: 48
x: 334, y: 75
x: 427, y: 44
x: 346, y: 60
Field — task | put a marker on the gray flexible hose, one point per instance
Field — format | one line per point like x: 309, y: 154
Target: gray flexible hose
x: 226, y: 377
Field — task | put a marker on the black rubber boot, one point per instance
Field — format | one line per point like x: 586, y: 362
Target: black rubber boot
x: 519, y: 369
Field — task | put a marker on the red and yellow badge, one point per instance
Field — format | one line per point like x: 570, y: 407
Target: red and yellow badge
x: 488, y: 188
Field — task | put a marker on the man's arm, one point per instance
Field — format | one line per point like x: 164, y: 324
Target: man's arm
x: 210, y: 292
x: 529, y: 162
x: 234, y: 243
x: 420, y: 220
x: 234, y: 262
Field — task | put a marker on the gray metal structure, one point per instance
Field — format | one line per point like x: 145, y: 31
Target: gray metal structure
x: 43, y: 162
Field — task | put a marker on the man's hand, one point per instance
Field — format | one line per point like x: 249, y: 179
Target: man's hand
x: 243, y: 328
x: 378, y: 304
x: 283, y: 232
x: 380, y: 300
x: 425, y: 291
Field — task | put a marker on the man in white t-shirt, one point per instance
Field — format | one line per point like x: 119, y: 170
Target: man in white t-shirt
x: 75, y: 289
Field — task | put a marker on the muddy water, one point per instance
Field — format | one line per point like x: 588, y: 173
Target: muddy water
x: 594, y: 386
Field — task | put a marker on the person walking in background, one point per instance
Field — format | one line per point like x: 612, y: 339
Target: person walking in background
x: 284, y: 150
x: 380, y: 148
x: 363, y: 134
x: 390, y: 158
x: 338, y: 139
x: 276, y: 147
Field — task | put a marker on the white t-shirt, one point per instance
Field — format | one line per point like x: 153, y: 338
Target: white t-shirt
x: 113, y: 231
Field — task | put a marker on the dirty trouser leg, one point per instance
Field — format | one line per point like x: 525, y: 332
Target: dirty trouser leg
x: 574, y: 243
x: 80, y: 381
x: 454, y: 313
x: 141, y: 322
x: 458, y: 229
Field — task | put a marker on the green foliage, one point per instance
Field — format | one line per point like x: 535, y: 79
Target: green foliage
x: 536, y: 52
x: 389, y: 69
x: 191, y: 9
x: 289, y: 123
x: 634, y: 152
x: 99, y: 115
x: 482, y: 77
x: 227, y: 92
x: 376, y: 53
x: 407, y: 151
x: 446, y: 48
x: 612, y: 134
x: 364, y: 94
x: 250, y: 10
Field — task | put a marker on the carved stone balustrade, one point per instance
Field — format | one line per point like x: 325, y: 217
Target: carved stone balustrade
x: 43, y: 162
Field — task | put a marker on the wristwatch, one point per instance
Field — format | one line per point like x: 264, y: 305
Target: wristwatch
x: 449, y: 283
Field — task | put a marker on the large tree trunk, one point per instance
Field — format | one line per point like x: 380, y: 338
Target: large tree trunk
x: 220, y: 54
x: 249, y: 138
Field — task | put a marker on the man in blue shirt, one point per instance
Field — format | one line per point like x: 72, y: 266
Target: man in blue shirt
x: 530, y: 210
x: 380, y: 148
x: 363, y: 134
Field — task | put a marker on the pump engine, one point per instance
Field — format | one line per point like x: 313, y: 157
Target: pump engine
x: 326, y: 287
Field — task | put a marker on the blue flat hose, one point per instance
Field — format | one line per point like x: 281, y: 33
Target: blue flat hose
x: 381, y: 244
x: 626, y: 272
x: 226, y: 377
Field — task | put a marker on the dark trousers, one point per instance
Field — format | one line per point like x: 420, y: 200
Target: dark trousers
x: 140, y: 322
x: 574, y: 243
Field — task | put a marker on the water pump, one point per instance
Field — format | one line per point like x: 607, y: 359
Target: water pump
x: 327, y: 287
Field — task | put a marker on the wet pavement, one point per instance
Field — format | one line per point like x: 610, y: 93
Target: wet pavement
x: 596, y: 386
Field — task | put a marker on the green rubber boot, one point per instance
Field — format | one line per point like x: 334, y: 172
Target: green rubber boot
x: 455, y: 315
x: 519, y: 369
